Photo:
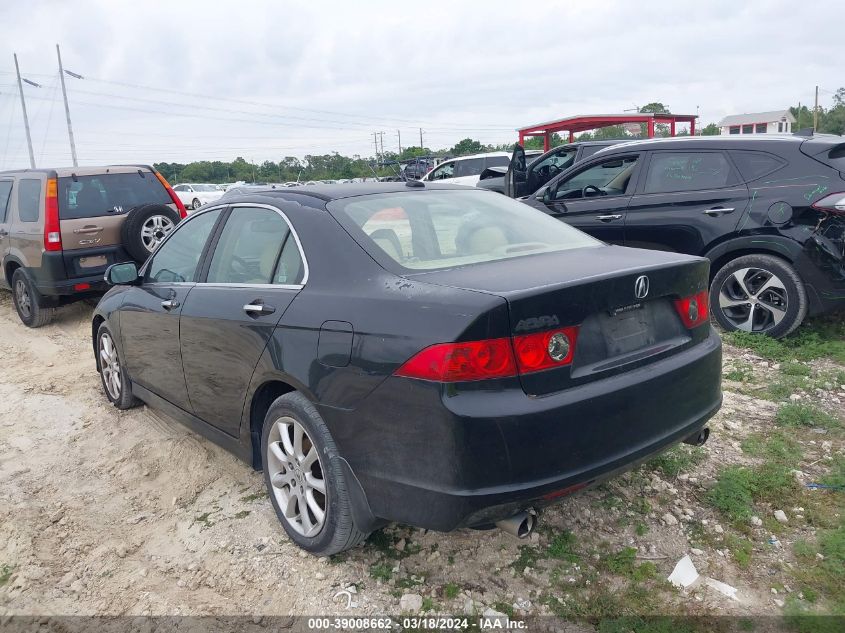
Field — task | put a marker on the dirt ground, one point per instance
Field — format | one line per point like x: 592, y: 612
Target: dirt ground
x: 108, y: 512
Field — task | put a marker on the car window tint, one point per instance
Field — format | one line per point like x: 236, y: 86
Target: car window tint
x: 104, y: 194
x: 442, y: 229
x: 687, y: 171
x: 469, y: 167
x: 29, y: 199
x: 753, y: 165
x: 176, y: 260
x: 446, y: 170
x: 5, y: 195
x: 611, y: 177
x: 249, y: 247
x: 291, y: 268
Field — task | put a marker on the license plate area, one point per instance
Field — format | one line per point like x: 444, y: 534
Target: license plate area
x: 95, y: 261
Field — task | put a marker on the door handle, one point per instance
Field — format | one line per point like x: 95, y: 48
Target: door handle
x: 258, y: 309
x: 170, y: 304
x: 608, y: 218
x: 89, y: 229
x: 717, y: 211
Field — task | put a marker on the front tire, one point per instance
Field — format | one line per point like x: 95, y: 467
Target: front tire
x: 760, y: 294
x: 305, y: 483
x: 28, y: 301
x: 113, y: 376
x: 196, y: 204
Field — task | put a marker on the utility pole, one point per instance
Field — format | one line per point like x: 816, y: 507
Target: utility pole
x: 399, y: 134
x: 67, y: 109
x: 816, y: 112
x: 421, y: 143
x: 381, y: 141
x: 375, y: 142
x: 25, y: 118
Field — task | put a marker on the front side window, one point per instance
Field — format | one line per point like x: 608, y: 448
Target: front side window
x: 5, y: 195
x: 607, y: 178
x: 103, y: 194
x: 249, y: 247
x: 442, y: 229
x: 176, y: 261
x: 29, y: 199
x: 687, y: 171
x: 443, y: 171
x: 557, y: 162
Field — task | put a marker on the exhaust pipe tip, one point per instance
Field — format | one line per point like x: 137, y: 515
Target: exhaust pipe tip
x: 520, y: 525
x: 697, y: 439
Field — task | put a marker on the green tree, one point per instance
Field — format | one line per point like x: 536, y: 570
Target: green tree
x: 466, y: 146
x: 661, y: 129
x: 711, y: 129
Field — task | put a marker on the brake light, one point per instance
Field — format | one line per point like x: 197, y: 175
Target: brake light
x: 833, y: 203
x: 453, y: 362
x: 694, y: 310
x: 179, y: 206
x: 544, y: 350
x: 52, y: 230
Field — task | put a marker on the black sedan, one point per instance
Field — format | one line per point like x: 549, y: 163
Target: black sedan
x: 438, y: 356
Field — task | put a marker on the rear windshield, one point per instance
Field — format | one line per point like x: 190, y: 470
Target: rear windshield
x: 428, y: 230
x: 92, y: 196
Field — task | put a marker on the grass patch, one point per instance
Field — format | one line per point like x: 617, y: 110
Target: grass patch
x: 836, y: 475
x: 381, y: 571
x: 798, y: 415
x: 451, y: 590
x: 740, y: 548
x: 677, y: 460
x: 528, y: 557
x: 740, y: 372
x: 5, y: 573
x: 794, y: 368
x: 427, y: 604
x: 204, y: 520
x: 242, y: 514
x: 562, y: 547
x: 777, y: 446
x: 641, y: 529
x: 822, y: 581
x: 822, y: 337
x: 254, y: 497
x: 624, y: 563
x: 738, y: 488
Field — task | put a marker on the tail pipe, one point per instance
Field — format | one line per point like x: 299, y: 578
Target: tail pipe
x: 519, y: 525
x: 698, y: 438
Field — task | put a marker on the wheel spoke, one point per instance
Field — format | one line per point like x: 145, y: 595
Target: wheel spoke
x: 772, y: 282
x: 739, y: 278
x: 777, y: 313
x: 298, y: 432
x: 748, y: 324
x: 279, y: 454
x: 316, y: 510
x: 309, y: 459
x: 286, y: 442
x: 727, y: 302
x: 307, y: 524
x: 317, y: 484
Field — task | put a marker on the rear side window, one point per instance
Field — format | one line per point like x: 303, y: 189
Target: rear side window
x: 29, y: 199
x: 469, y: 167
x: 835, y: 157
x: 687, y: 171
x: 5, y: 194
x: 498, y: 161
x: 92, y: 196
x: 753, y: 165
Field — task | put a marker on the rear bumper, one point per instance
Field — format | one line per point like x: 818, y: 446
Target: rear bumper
x: 446, y: 457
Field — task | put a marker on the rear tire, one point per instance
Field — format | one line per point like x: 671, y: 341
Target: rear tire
x: 761, y: 294
x: 116, y: 383
x: 145, y: 227
x: 196, y: 204
x: 28, y: 301
x: 296, y: 469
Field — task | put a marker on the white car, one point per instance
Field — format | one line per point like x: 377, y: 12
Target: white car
x: 193, y: 196
x: 465, y: 170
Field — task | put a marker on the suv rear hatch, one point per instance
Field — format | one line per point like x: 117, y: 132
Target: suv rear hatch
x: 622, y: 321
x: 93, y: 204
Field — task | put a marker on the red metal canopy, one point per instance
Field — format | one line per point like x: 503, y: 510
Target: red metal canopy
x: 585, y: 122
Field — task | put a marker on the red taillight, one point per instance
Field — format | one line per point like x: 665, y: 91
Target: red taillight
x: 179, y: 206
x: 565, y: 491
x: 544, y: 350
x: 52, y: 230
x: 453, y: 362
x: 832, y: 203
x: 694, y: 310
x: 80, y: 287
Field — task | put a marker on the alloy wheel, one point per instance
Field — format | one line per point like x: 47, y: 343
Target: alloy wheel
x: 23, y: 299
x: 296, y: 476
x: 154, y: 230
x: 110, y: 366
x: 196, y: 204
x: 753, y: 299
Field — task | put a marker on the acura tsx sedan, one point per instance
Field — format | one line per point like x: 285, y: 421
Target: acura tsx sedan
x: 428, y: 354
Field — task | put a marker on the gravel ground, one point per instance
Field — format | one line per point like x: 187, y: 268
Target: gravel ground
x: 107, y: 512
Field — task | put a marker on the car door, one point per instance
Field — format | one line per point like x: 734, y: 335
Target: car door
x: 5, y: 223
x: 149, y: 316
x: 254, y: 272
x: 593, y: 197
x: 468, y: 171
x: 685, y: 201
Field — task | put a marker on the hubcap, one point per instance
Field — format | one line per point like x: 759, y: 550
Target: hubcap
x: 753, y: 299
x: 197, y: 204
x: 109, y: 366
x: 154, y: 231
x: 23, y: 298
x: 296, y: 476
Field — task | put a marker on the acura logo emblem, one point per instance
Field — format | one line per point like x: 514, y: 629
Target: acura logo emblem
x: 641, y: 287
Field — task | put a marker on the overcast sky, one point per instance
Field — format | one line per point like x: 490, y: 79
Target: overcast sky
x: 182, y: 81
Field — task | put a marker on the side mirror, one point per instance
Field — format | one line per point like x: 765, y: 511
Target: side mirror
x: 547, y: 195
x: 125, y: 274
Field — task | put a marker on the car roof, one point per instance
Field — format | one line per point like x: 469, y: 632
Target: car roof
x: 61, y: 172
x: 327, y: 193
x: 729, y: 141
x: 483, y: 155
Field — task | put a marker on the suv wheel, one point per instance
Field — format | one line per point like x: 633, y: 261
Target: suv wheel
x: 306, y: 486
x: 28, y: 301
x: 760, y: 294
x: 112, y: 374
x: 196, y: 204
x: 146, y: 227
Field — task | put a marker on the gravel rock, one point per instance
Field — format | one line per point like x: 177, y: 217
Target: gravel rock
x: 780, y: 516
x: 669, y: 519
x: 756, y: 521
x: 411, y: 602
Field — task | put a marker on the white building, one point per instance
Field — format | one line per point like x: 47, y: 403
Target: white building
x: 780, y: 121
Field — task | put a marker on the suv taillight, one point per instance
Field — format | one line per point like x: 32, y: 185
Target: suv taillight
x: 833, y: 203
x: 694, y: 310
x: 179, y: 206
x: 52, y: 230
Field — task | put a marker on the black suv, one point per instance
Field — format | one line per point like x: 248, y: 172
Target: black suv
x: 769, y: 213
